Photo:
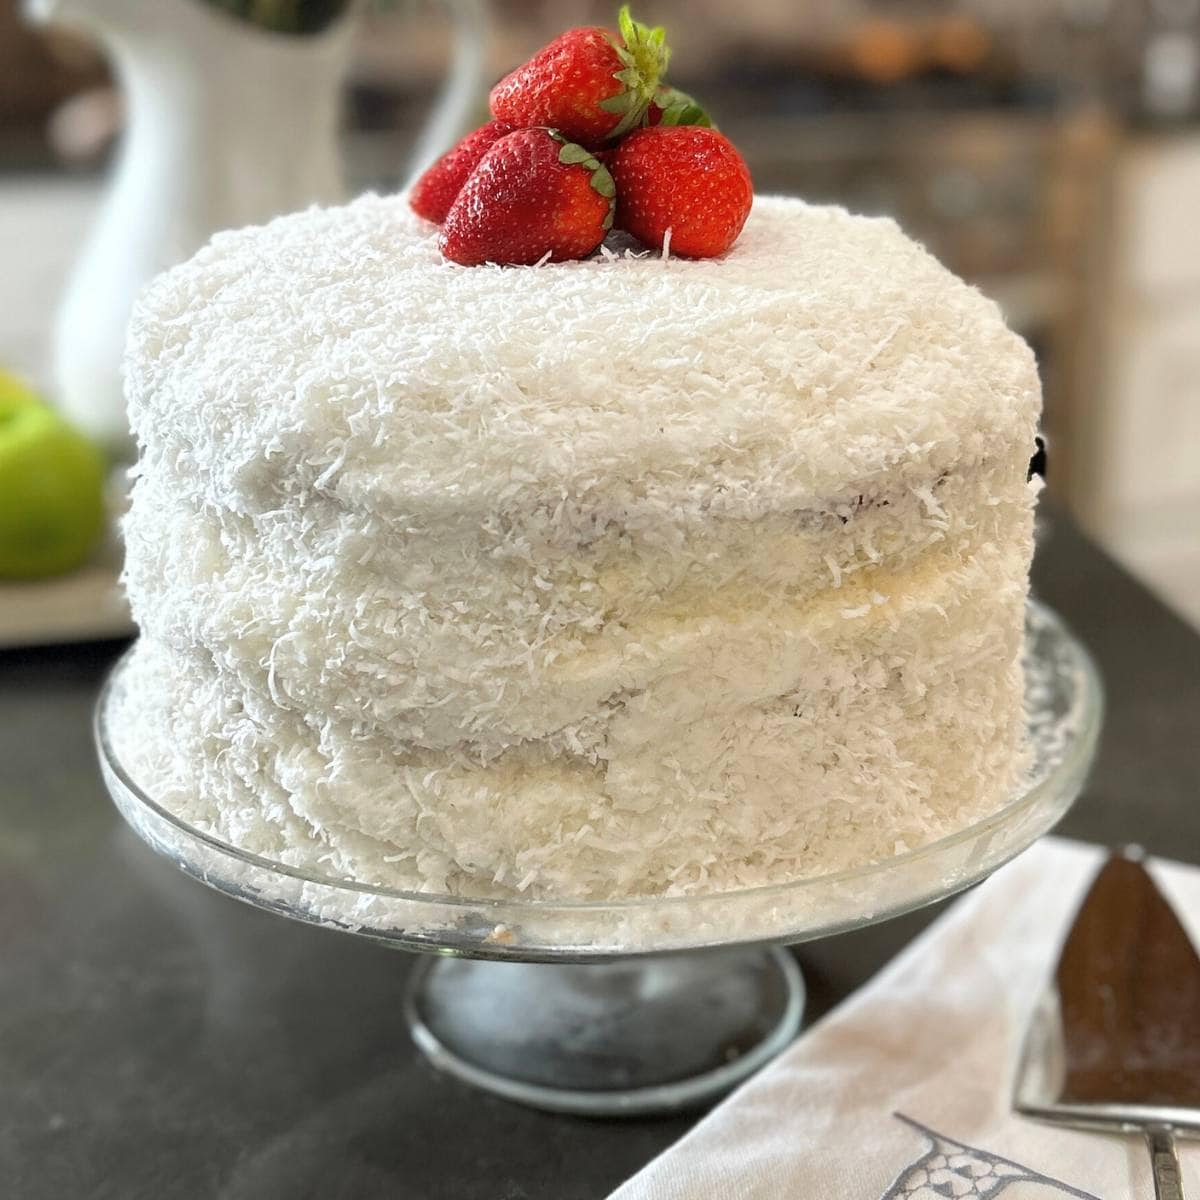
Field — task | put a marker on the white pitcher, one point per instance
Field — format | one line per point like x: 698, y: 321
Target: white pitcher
x: 227, y: 125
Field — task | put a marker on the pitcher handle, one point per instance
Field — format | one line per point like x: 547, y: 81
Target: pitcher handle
x: 464, y: 86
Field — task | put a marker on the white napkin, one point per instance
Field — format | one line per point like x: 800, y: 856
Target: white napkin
x: 905, y: 1090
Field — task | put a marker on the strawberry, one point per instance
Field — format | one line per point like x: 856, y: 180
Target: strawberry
x: 589, y: 84
x: 433, y: 194
x: 670, y: 106
x: 684, y: 180
x: 533, y: 194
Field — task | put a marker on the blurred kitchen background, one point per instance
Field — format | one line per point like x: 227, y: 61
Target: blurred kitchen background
x: 1047, y: 150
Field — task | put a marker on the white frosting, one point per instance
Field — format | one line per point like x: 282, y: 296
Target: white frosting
x: 628, y: 575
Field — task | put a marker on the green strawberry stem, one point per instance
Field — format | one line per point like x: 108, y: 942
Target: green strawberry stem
x: 644, y: 58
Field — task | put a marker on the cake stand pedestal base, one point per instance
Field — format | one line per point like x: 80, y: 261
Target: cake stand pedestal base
x: 643, y: 1035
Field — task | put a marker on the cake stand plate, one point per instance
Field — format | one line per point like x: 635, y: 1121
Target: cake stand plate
x: 649, y: 1004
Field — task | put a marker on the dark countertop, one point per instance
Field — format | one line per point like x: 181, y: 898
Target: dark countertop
x: 158, y: 1041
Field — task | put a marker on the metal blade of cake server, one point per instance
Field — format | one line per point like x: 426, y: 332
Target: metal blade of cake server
x: 1115, y: 1040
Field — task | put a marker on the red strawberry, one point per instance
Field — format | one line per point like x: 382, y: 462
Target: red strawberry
x: 433, y: 194
x: 670, y: 106
x: 686, y: 180
x: 532, y: 194
x: 589, y: 84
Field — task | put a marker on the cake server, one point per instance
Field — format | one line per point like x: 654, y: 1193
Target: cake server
x: 1114, y: 1043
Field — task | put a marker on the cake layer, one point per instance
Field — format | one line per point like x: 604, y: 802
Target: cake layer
x: 481, y: 639
x: 334, y: 353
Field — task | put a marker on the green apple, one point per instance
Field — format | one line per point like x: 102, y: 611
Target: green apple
x: 15, y: 391
x: 51, y: 488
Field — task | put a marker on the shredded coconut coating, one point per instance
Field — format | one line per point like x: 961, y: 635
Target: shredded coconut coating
x: 628, y: 576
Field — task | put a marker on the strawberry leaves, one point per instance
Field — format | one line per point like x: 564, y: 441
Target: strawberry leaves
x: 644, y: 55
x: 676, y: 108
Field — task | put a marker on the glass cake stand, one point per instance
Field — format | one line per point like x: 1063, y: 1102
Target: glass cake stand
x: 649, y: 1004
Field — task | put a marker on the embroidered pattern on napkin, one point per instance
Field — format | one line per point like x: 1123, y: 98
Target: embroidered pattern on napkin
x: 953, y: 1169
